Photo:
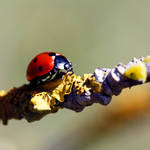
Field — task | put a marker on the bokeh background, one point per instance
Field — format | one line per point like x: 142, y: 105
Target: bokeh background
x: 91, y: 34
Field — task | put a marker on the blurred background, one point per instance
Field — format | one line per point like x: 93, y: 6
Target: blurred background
x: 97, y: 33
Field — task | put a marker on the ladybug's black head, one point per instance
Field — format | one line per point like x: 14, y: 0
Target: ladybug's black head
x: 62, y: 64
x: 68, y: 67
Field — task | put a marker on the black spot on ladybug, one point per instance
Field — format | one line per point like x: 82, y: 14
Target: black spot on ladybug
x: 52, y: 54
x: 35, y: 60
x: 40, y: 68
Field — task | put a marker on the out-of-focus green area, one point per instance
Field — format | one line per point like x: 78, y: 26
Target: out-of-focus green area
x: 92, y: 34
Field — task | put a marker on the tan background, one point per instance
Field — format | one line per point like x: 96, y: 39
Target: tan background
x: 92, y: 34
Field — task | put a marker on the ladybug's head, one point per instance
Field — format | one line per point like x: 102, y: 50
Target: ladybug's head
x: 62, y: 64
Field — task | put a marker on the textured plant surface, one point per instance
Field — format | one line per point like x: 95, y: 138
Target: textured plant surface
x: 72, y: 92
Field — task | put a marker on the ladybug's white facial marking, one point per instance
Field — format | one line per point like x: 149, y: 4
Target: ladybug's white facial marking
x: 61, y: 66
x: 68, y: 66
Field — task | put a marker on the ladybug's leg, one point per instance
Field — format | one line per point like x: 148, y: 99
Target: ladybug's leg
x: 54, y: 73
x: 46, y: 77
x: 49, y: 76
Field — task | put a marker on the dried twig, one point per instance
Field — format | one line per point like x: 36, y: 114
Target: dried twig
x: 72, y: 92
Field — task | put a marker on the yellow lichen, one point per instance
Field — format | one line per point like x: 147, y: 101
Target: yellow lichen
x: 146, y: 59
x: 3, y: 93
x: 63, y: 88
x: 137, y: 72
x: 80, y: 85
x: 86, y: 83
x: 96, y: 86
x: 47, y: 100
x: 41, y: 101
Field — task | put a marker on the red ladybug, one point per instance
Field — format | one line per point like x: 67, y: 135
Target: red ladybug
x: 48, y: 66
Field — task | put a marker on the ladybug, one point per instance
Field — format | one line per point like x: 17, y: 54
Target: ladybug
x: 48, y: 66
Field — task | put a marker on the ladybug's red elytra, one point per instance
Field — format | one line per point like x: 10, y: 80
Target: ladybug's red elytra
x: 47, y: 66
